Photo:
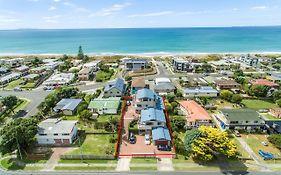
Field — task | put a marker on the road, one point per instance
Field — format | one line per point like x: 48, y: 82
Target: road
x: 35, y: 97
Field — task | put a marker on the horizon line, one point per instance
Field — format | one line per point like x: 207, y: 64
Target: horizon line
x: 279, y: 25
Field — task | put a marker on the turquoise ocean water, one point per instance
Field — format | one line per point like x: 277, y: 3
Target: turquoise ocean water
x: 157, y: 40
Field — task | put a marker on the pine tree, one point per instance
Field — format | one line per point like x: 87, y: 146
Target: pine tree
x: 80, y: 53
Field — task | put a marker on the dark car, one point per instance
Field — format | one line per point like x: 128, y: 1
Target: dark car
x: 132, y: 138
x: 164, y: 148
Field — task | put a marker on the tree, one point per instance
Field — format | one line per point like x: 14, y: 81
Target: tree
x: 276, y: 95
x: 178, y: 123
x: 190, y: 137
x: 275, y: 139
x: 18, y: 133
x: 258, y: 90
x: 179, y: 93
x: 213, y: 142
x: 226, y: 94
x: 239, y: 73
x: 85, y: 115
x: 169, y: 108
x: 207, y: 68
x: 278, y: 102
x: 82, y: 106
x: 236, y: 98
x: 171, y: 98
x: 10, y: 102
x: 80, y: 54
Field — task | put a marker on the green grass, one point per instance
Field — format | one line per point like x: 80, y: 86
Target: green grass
x: 102, y: 76
x: 240, y: 149
x: 142, y: 168
x: 13, y: 84
x: 144, y: 160
x: 259, y: 104
x: 84, y: 168
x: 22, y: 105
x: 96, y: 144
x: 71, y: 117
x: 8, y: 164
x: 196, y: 168
x: 106, y: 118
x: 89, y: 161
x: 269, y: 117
x: 28, y: 85
x: 33, y: 168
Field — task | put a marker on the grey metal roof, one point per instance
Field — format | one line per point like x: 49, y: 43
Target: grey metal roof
x: 164, y: 86
x: 67, y: 104
x: 118, y: 84
x: 203, y: 89
x: 146, y: 93
x: 51, y: 126
x: 161, y: 133
x: 152, y: 114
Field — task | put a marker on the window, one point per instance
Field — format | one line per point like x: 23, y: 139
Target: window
x: 246, y: 121
x: 56, y: 134
x: 65, y: 134
x: 256, y: 121
x: 42, y: 134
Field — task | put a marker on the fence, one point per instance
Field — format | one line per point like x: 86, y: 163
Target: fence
x: 87, y: 157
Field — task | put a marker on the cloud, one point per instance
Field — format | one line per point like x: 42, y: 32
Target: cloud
x: 51, y: 19
x: 57, y: 0
x: 52, y: 8
x: 69, y: 4
x: 259, y: 7
x: 115, y: 8
x: 152, y: 14
x: 76, y: 8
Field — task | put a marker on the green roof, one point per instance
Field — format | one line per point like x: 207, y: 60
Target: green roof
x: 241, y: 114
x: 109, y: 103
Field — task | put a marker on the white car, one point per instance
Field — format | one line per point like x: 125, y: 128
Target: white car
x: 147, y: 139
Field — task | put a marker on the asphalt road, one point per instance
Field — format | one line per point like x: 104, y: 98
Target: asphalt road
x: 34, y: 96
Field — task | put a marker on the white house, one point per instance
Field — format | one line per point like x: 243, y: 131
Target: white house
x: 56, y: 132
x: 59, y: 79
x: 145, y: 98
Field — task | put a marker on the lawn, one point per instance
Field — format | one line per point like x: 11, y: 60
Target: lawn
x: 143, y: 168
x: 144, y: 160
x: 269, y: 117
x: 22, y: 105
x: 254, y: 141
x: 102, y: 76
x: 106, y: 118
x: 13, y: 84
x: 96, y: 144
x: 28, y: 85
x: 8, y: 164
x: 196, y: 168
x: 240, y: 149
x: 89, y: 161
x: 259, y: 104
x: 84, y: 168
x: 70, y: 117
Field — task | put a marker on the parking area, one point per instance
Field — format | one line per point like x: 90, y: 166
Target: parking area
x: 139, y: 148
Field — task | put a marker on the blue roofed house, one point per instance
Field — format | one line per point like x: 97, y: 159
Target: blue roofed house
x: 145, y: 98
x: 161, y: 136
x: 115, y: 88
x: 67, y: 106
x: 151, y: 118
x: 204, y: 91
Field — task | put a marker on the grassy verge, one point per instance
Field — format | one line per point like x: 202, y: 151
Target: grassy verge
x: 84, y: 168
x: 147, y: 168
x: 89, y: 161
x: 33, y: 168
x: 9, y: 164
x: 13, y: 84
x: 196, y: 168
x: 144, y: 160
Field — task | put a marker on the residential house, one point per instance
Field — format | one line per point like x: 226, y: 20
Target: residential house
x: 224, y: 65
x: 3, y: 71
x: 264, y: 82
x: 93, y: 66
x: 67, y: 106
x: 204, y: 91
x: 274, y: 76
x: 250, y: 61
x: 227, y: 85
x: 23, y: 70
x: 151, y: 118
x: 31, y: 77
x: 246, y: 119
x: 135, y: 64
x: 196, y: 115
x: 60, y: 79
x: 145, y: 98
x: 162, y: 80
x: 37, y: 70
x: 181, y: 65
x: 15, y: 62
x: 52, y: 65
x: 164, y: 88
x: 109, y: 105
x: 161, y: 136
x: 272, y: 120
x: 56, y: 132
x: 276, y: 112
x: 10, y: 77
x: 137, y: 84
x: 115, y: 88
x: 84, y: 74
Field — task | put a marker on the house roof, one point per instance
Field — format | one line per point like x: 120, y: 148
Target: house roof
x: 146, y: 93
x: 101, y: 103
x: 136, y: 60
x: 118, y: 84
x: 138, y: 82
x: 203, y: 89
x: 67, y: 104
x: 240, y: 114
x: 263, y: 82
x: 226, y: 82
x: 162, y: 80
x: 56, y: 126
x: 195, y: 111
x: 84, y: 71
x: 164, y: 86
x: 152, y: 114
x: 161, y: 133
x: 22, y: 68
x: 31, y: 76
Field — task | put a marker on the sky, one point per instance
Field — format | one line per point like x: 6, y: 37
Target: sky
x: 59, y: 14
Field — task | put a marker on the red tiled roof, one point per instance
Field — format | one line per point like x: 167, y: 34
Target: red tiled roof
x: 263, y: 82
x: 196, y: 112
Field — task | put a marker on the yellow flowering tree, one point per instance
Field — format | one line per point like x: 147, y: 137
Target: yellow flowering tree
x: 213, y: 142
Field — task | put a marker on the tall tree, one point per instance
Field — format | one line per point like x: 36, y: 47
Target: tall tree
x: 190, y: 137
x: 226, y: 94
x: 80, y: 54
x: 259, y: 90
x: 10, y: 102
x: 18, y: 134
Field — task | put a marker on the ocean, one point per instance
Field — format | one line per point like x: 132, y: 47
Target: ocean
x: 142, y: 40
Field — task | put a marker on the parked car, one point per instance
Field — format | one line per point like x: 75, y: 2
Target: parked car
x: 264, y: 143
x: 46, y: 88
x: 164, y: 148
x: 266, y: 155
x: 236, y: 133
x: 132, y: 138
x: 147, y: 139
x: 17, y: 89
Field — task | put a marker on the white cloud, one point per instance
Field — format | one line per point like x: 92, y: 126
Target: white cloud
x: 111, y: 10
x: 76, y: 8
x: 51, y: 17
x: 152, y: 14
x: 69, y: 4
x: 259, y: 7
x: 57, y: 0
x: 52, y: 8
x: 7, y: 19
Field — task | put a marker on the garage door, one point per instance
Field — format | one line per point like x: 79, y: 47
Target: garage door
x: 58, y: 141
x: 161, y: 142
x: 66, y: 141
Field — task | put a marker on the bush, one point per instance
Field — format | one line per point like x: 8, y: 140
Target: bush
x: 275, y: 139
